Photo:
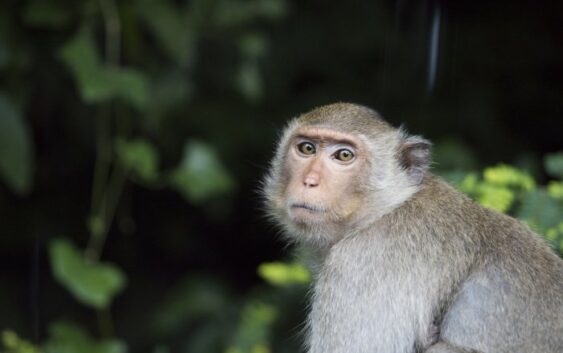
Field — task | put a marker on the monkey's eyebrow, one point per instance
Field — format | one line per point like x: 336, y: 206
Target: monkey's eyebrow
x: 326, y: 139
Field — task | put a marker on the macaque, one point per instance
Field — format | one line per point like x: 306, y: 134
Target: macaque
x: 403, y: 262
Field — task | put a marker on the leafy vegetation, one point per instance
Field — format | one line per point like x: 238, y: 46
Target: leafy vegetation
x: 133, y: 133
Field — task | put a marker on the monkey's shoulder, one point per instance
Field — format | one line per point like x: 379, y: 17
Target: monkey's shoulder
x: 457, y: 222
x: 439, y: 210
x: 437, y: 206
x: 438, y: 201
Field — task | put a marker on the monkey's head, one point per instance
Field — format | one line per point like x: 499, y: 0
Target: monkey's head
x: 341, y: 167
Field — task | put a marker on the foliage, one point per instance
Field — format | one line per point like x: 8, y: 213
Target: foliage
x: 554, y: 164
x: 282, y: 274
x: 99, y: 83
x: 16, y: 156
x: 513, y: 191
x: 129, y: 96
x: 200, y: 175
x: 253, y: 331
x: 94, y: 284
x: 111, y: 109
x: 68, y: 338
x: 14, y: 344
x: 139, y: 157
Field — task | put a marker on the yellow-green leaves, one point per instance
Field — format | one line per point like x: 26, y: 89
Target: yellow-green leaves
x: 98, y: 82
x: 283, y: 274
x: 496, y: 197
x: 254, y: 328
x: 555, y: 189
x: 510, y: 190
x: 499, y: 187
x: 93, y: 284
x: 14, y: 344
x: 63, y: 338
x: 507, y: 176
x: 16, y: 148
x: 68, y: 338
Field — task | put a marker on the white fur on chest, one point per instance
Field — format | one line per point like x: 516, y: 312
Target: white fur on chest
x: 365, y: 296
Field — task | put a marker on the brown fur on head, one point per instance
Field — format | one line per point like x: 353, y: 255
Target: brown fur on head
x: 387, y: 169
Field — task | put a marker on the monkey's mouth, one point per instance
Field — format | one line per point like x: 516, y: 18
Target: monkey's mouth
x: 307, y: 207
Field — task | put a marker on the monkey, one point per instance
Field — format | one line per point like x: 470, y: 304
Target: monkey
x: 403, y: 262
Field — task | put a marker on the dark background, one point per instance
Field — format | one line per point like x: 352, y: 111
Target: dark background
x: 496, y: 95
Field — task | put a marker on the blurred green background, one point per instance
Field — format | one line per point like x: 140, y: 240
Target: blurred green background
x: 134, y: 135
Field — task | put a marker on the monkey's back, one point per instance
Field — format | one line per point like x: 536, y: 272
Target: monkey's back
x: 509, y: 295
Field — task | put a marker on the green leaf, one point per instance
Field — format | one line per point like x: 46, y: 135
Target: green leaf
x: 282, y: 274
x: 249, y: 81
x: 128, y: 84
x: 254, y: 328
x: 470, y: 184
x: 554, y: 164
x: 540, y: 209
x: 93, y: 284
x: 555, y: 189
x: 68, y: 338
x: 505, y: 175
x: 496, y: 197
x: 192, y: 299
x: 171, y: 28
x: 47, y: 14
x: 98, y: 83
x: 140, y: 157
x: 200, y: 175
x: 81, y: 56
x: 14, y: 344
x: 16, y: 149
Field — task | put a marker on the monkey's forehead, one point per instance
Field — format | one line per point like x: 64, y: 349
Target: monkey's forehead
x: 346, y: 117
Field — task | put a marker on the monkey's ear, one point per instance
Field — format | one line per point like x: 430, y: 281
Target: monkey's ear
x: 414, y: 157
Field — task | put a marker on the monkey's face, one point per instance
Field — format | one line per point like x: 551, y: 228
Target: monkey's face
x: 319, y: 187
x: 338, y: 169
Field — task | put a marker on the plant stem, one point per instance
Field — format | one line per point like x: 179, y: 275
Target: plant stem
x: 106, y: 189
x: 105, y: 323
x: 106, y: 212
x: 109, y: 177
x: 113, y: 31
x: 103, y: 158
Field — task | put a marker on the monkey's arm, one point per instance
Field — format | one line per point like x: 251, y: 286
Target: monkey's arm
x: 496, y: 311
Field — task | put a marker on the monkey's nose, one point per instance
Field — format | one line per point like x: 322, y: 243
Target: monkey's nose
x: 311, y: 181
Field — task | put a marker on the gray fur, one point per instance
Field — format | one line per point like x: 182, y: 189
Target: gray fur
x: 419, y: 256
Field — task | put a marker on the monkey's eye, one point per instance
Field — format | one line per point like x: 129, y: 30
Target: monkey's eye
x: 344, y: 155
x: 306, y: 148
